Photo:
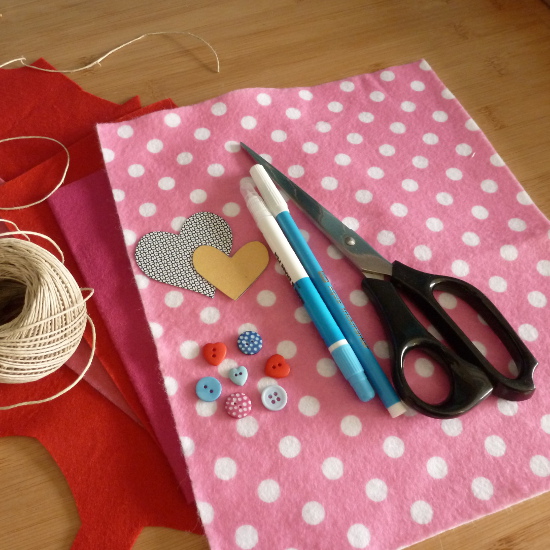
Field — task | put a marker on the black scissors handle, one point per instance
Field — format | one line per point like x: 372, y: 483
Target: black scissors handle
x: 472, y: 377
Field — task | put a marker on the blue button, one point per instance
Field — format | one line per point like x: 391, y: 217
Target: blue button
x: 208, y: 388
x: 274, y: 398
x: 250, y: 342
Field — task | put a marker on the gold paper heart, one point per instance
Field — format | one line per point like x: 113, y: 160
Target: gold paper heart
x: 232, y: 275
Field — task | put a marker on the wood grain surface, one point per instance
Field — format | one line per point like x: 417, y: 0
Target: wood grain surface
x: 494, y: 55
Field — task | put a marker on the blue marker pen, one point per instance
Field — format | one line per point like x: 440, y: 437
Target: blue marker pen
x: 279, y: 208
x: 337, y: 345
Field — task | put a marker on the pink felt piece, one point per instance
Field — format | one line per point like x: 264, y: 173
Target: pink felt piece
x: 86, y: 214
x: 397, y: 158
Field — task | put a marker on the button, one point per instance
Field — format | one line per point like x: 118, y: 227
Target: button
x: 208, y: 388
x: 274, y: 398
x: 238, y: 405
x: 238, y: 375
x: 277, y: 367
x: 214, y: 353
x: 250, y: 342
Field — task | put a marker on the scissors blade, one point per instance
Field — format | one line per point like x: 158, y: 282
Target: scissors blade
x: 347, y: 241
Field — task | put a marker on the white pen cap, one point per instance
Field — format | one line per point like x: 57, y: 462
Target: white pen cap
x: 272, y: 196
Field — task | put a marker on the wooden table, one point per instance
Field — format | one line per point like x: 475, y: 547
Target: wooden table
x: 494, y: 55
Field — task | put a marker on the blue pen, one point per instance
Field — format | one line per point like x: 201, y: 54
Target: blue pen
x: 279, y: 208
x: 331, y: 334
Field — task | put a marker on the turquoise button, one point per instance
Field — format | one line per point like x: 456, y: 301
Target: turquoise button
x: 208, y: 388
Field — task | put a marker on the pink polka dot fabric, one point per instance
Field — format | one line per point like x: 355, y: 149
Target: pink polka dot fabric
x: 395, y: 156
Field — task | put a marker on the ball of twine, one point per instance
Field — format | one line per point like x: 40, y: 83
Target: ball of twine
x: 42, y: 314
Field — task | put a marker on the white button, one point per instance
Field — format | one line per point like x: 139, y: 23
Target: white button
x: 274, y: 398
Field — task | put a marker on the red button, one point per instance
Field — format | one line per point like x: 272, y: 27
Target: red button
x: 214, y: 353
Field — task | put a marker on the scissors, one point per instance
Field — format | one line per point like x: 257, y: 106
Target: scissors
x: 472, y: 378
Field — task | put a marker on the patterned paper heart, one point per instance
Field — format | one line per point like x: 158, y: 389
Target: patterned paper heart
x: 238, y: 375
x: 168, y: 257
x: 277, y: 367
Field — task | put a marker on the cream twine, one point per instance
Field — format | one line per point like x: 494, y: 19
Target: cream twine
x: 98, y: 61
x: 51, y: 322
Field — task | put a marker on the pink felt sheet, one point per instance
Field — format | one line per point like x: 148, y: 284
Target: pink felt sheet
x: 396, y: 157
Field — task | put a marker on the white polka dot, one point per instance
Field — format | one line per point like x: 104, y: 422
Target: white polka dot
x: 225, y: 468
x: 108, y: 155
x: 489, y: 186
x: 444, y: 198
x: 480, y: 212
x: 387, y: 76
x: 463, y: 149
x: 125, y: 131
x: 366, y: 117
x: 375, y: 172
x: 202, y: 134
x: 231, y: 209
x: 509, y: 252
x: 173, y: 298
x: 393, y: 446
x: 358, y: 298
x: 329, y: 183
x: 543, y: 267
x: 454, y: 174
x: 424, y: 367
x: 216, y: 170
x: 420, y: 162
x: 452, y: 426
x: 266, y: 298
x: 296, y: 171
x: 507, y: 408
x: 418, y: 86
x: 377, y: 96
x: 376, y: 490
x: 206, y: 512
x: 232, y: 146
x: 351, y: 426
x: 335, y: 107
x: 381, y: 349
x: 448, y: 301
x: 347, y: 86
x: 142, y: 281
x: 482, y: 488
x: 310, y: 147
x: 352, y: 223
x: 496, y: 160
x: 313, y: 513
x: 480, y: 346
x: 129, y: 236
x: 358, y: 536
x: 423, y: 252
x: 305, y: 94
x: 289, y: 446
x: 523, y: 198
x: 399, y: 210
x: 460, y: 268
x: 248, y: 122
x: 425, y: 66
x: 246, y: 537
x: 540, y: 466
x: 386, y: 237
x: 434, y: 224
x: 187, y: 445
x: 136, y: 170
x: 409, y: 185
x: 387, y: 150
x: 263, y: 99
x: 355, y: 138
x: 177, y: 222
x: 495, y: 445
x: 189, y: 349
x: 265, y: 382
x: 437, y: 467
x: 287, y: 349
x: 470, y: 238
x: 247, y: 426
x: 309, y: 405
x: 398, y: 127
x: 172, y: 120
x: 536, y: 298
x: 333, y: 252
x: 166, y: 183
x: 528, y: 332
x: 430, y: 139
x: 210, y: 315
x: 498, y: 284
x: 302, y: 316
x: 421, y: 512
x: 118, y: 195
x: 278, y: 135
x: 408, y: 106
x: 323, y: 127
x: 447, y: 94
x: 363, y: 196
x: 197, y: 196
x: 545, y: 423
x: 333, y: 468
x: 326, y: 367
x: 147, y: 209
x: 184, y: 158
x: 219, y: 108
x: 515, y: 224
x: 471, y: 125
x: 155, y: 146
x: 440, y: 116
x: 171, y: 385
x: 342, y: 159
x: 269, y: 490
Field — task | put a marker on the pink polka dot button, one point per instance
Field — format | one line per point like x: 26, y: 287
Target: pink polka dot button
x: 238, y: 405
